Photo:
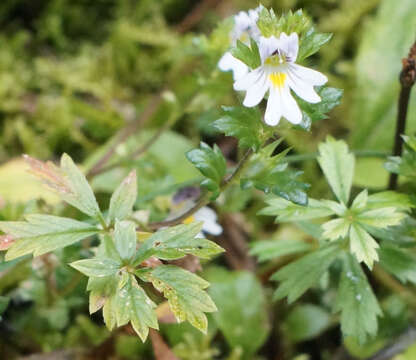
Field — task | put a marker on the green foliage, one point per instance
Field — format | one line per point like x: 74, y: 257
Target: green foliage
x: 302, y: 274
x: 211, y: 163
x: 185, y: 293
x: 357, y: 303
x: 123, y: 199
x: 270, y: 249
x: 248, y: 55
x: 242, y: 314
x: 398, y: 262
x: 306, y: 321
x: 269, y: 173
x: 338, y: 167
x: 245, y: 124
x: 406, y: 164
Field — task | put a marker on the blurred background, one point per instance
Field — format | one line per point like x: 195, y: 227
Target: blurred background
x: 74, y: 74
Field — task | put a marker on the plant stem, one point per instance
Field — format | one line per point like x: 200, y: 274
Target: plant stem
x: 205, y: 198
x: 407, y: 79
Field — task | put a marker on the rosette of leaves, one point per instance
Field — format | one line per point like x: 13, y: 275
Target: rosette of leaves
x: 348, y: 233
x: 120, y: 265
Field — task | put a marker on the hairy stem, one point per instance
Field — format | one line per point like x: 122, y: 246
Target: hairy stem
x: 205, y: 198
x: 407, y: 79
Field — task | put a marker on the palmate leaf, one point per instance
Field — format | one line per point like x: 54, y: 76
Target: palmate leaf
x: 175, y: 242
x: 271, y: 249
x: 68, y: 182
x: 363, y: 245
x: 44, y: 233
x: 123, y: 199
x: 356, y: 301
x: 131, y: 304
x: 243, y: 123
x: 288, y: 211
x: 337, y: 163
x: 300, y: 275
x: 97, y: 267
x: 185, y: 293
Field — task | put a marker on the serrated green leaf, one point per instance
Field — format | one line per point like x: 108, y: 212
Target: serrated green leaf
x: 363, y: 246
x: 311, y: 112
x: 337, y: 163
x: 175, y: 242
x: 389, y: 199
x: 360, y: 201
x: 243, y: 123
x: 357, y: 303
x: 248, y: 55
x: 242, y: 310
x: 80, y: 195
x: 399, y: 262
x: 288, y: 211
x: 44, y: 233
x: 211, y: 163
x: 125, y: 239
x: 312, y: 41
x: 123, y: 199
x: 134, y: 306
x: 97, y: 267
x: 381, y: 218
x: 302, y: 274
x: 184, y: 292
x: 272, y: 249
x: 336, y: 228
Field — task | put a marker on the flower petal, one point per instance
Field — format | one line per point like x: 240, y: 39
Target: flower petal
x: 256, y: 92
x: 267, y: 46
x: 290, y: 108
x: 248, y: 80
x: 229, y: 62
x: 293, y: 47
x: 302, y: 89
x: 273, y: 110
x: 310, y: 76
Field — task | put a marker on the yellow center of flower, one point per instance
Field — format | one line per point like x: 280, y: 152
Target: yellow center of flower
x: 278, y: 79
x: 275, y: 60
x: 189, y: 220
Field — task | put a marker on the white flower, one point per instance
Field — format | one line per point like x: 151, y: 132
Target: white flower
x: 209, y: 219
x: 245, y: 26
x: 277, y: 74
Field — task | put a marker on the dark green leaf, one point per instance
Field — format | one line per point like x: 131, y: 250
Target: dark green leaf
x: 248, y: 55
x: 399, y: 262
x: 356, y: 301
x: 311, y: 43
x: 300, y: 275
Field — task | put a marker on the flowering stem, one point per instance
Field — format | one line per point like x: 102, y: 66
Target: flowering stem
x: 407, y: 79
x: 205, y: 198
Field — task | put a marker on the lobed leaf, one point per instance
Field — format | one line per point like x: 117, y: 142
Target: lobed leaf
x: 337, y: 163
x: 356, y: 302
x: 97, y: 267
x: 398, y: 262
x: 363, y: 245
x: 248, y: 55
x: 272, y: 249
x: 125, y: 239
x: 123, y: 199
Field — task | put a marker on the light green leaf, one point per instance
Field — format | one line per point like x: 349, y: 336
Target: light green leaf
x: 389, y: 199
x: 399, y: 262
x: 288, y: 211
x: 80, y: 194
x: 242, y: 310
x: 125, y: 239
x: 306, y: 321
x: 302, y: 274
x: 243, y: 123
x: 97, y: 267
x: 44, y: 233
x: 360, y: 201
x: 175, y: 242
x: 184, y: 292
x: 336, y: 228
x: 248, y: 55
x: 363, y: 246
x: 381, y: 218
x: 312, y: 41
x: 357, y: 303
x: 134, y: 306
x: 337, y: 163
x: 272, y: 249
x: 211, y: 163
x: 123, y: 199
